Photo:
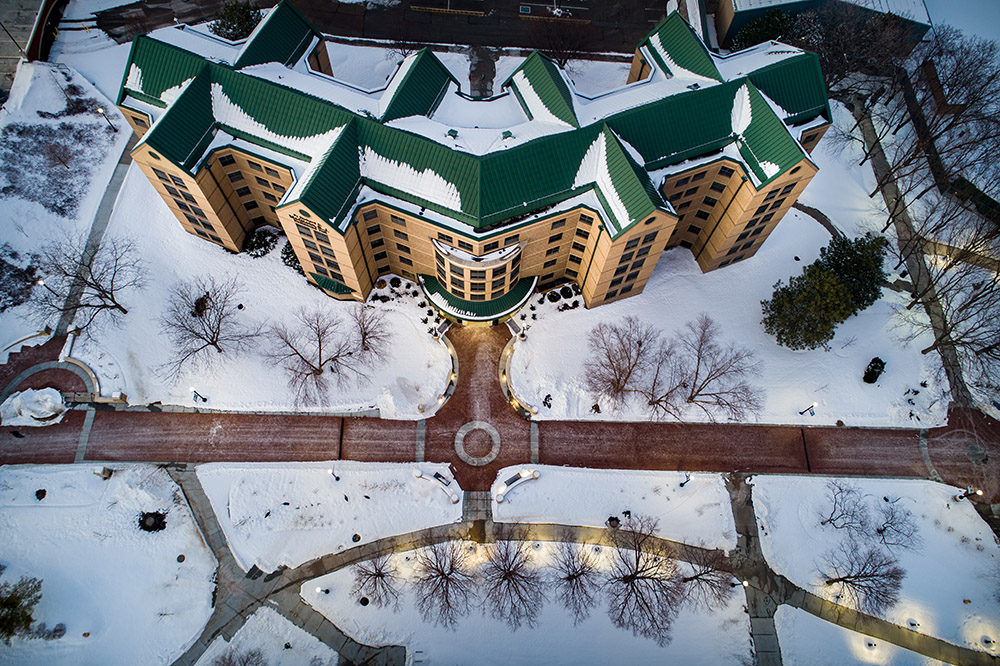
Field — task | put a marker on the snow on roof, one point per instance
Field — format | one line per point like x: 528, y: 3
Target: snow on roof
x: 196, y: 41
x: 594, y: 169
x: 427, y: 184
x: 485, y: 261
x: 741, y: 63
x: 535, y: 105
x: 912, y: 9
x: 394, y: 81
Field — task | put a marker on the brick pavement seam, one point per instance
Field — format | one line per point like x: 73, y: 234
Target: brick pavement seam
x: 81, y: 447
x: 421, y: 440
x: 926, y: 455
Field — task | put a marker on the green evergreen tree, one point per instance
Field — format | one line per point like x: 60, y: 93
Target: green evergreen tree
x: 775, y: 24
x: 17, y: 602
x: 858, y: 262
x: 804, y: 313
x: 236, y: 20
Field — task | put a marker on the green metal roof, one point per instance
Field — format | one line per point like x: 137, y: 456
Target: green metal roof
x: 422, y: 88
x: 682, y: 46
x: 479, y: 310
x: 334, y: 185
x: 796, y: 85
x: 630, y: 181
x: 330, y: 284
x: 546, y: 80
x: 766, y: 139
x: 158, y: 67
x: 187, y: 125
x: 283, y: 36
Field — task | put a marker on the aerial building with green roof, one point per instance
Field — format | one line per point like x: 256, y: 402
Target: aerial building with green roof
x: 483, y: 201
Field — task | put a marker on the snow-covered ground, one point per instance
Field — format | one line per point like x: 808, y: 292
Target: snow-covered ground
x: 698, y: 514
x: 33, y: 408
x: 699, y: 637
x: 269, y: 632
x: 946, y: 589
x: 412, y: 370
x: 51, y: 197
x: 275, y: 514
x: 120, y: 591
x: 806, y: 640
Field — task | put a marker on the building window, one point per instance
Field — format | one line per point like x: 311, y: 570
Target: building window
x: 681, y: 182
x: 757, y: 231
x: 192, y: 219
x: 440, y: 274
x: 693, y: 229
x: 612, y: 293
x: 396, y: 219
x: 642, y: 251
x: 513, y: 274
x: 582, y: 234
x: 304, y: 230
x: 378, y: 242
x: 235, y: 177
x: 489, y: 247
x: 761, y: 210
x: 627, y: 288
x: 499, y: 270
x: 162, y: 175
x: 739, y: 258
x: 683, y: 205
x: 586, y: 219
x: 555, y: 238
x: 724, y: 263
x: 187, y: 196
x: 374, y: 229
x: 262, y: 182
x: 733, y: 250
x: 309, y: 244
x: 139, y: 121
x: 316, y: 259
x: 701, y: 215
x: 497, y: 284
x: 405, y: 261
x: 552, y: 250
x: 691, y: 192
x: 465, y: 246
x: 617, y: 281
x: 621, y: 270
x: 177, y: 181
x: 369, y: 215
x: 243, y: 192
x: 477, y: 297
x: 579, y: 247
x: 675, y: 196
x: 625, y: 258
x: 770, y: 195
x: 269, y: 197
x: 321, y: 271
x: 446, y: 238
x: 767, y: 218
x: 747, y: 246
x: 180, y: 204
x: 717, y: 187
x: 709, y: 201
x: 402, y: 248
x: 787, y: 189
x: 458, y: 283
x: 320, y: 236
x: 649, y: 238
x: 198, y: 211
x: 638, y: 264
x: 327, y: 251
x: 546, y: 277
x: 477, y: 286
x: 726, y: 172
x: 201, y: 233
x: 574, y: 259
x: 632, y: 243
x: 400, y: 234
x: 455, y: 270
x: 698, y: 176
x: 227, y: 160
x: 510, y: 240
x: 570, y: 272
x: 255, y: 166
x: 777, y: 204
x: 549, y: 264
x: 685, y: 244
x: 172, y: 191
x: 631, y: 276
x: 742, y: 236
x: 271, y: 172
x: 559, y: 223
x: 379, y: 256
x: 477, y: 275
x: 752, y: 223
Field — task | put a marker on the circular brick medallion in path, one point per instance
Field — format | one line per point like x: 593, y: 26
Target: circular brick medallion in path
x: 477, y: 461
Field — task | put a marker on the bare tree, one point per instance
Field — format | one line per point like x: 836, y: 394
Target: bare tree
x: 895, y: 526
x: 869, y: 578
x: 575, y: 578
x: 643, y: 590
x: 847, y: 507
x: 372, y: 331
x: 445, y: 583
x: 710, y: 583
x: 378, y: 579
x: 90, y: 281
x: 513, y: 588
x: 620, y: 356
x: 57, y: 153
x: 698, y: 370
x: 312, y: 348
x: 204, y: 315
x: 233, y: 658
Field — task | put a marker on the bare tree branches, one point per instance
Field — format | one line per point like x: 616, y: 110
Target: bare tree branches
x: 575, y: 578
x: 694, y: 369
x: 312, y: 348
x: 642, y: 587
x: 513, y: 589
x: 895, y: 527
x: 89, y: 281
x: 249, y: 658
x: 378, y: 579
x: 372, y: 331
x: 848, y: 509
x: 868, y: 577
x: 445, y: 583
x: 710, y: 583
x: 620, y: 355
x: 203, y: 315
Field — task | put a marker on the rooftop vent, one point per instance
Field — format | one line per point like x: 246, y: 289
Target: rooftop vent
x: 453, y: 133
x: 507, y: 134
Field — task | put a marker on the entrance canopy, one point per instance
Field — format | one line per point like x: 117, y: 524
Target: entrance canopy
x: 459, y: 308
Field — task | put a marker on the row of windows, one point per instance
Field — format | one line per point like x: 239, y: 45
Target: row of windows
x: 229, y: 160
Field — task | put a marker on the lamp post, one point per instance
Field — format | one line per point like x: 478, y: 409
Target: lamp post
x: 41, y: 283
x: 811, y: 409
x: 967, y: 493
x: 198, y: 396
x: 100, y: 110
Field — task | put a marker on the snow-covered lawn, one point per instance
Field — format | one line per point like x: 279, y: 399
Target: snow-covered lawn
x: 275, y: 514
x: 947, y: 589
x: 267, y: 631
x: 697, y: 514
x: 806, y: 640
x: 50, y: 194
x: 412, y: 370
x: 699, y: 637
x: 120, y: 591
x: 33, y: 408
x: 552, y: 362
